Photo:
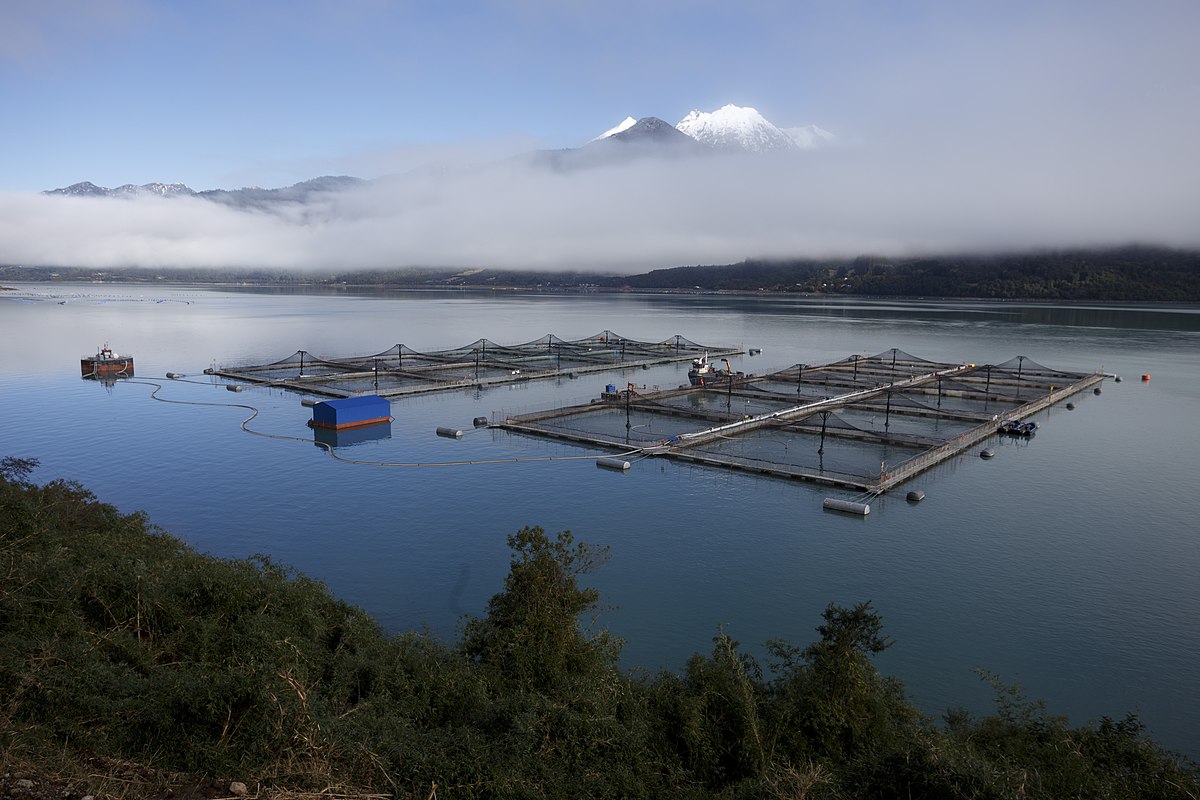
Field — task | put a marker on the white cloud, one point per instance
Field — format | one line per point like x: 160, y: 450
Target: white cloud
x: 644, y: 214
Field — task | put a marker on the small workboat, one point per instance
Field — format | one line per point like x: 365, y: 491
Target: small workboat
x: 106, y: 364
x: 704, y: 372
x: 1015, y: 427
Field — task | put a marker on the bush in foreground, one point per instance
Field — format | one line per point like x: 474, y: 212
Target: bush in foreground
x: 117, y: 641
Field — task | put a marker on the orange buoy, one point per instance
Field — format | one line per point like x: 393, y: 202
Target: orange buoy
x: 1146, y: 376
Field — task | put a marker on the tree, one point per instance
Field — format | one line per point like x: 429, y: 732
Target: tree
x: 829, y: 695
x: 531, y: 638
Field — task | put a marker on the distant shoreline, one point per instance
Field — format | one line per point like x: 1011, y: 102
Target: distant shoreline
x: 567, y: 290
x: 1117, y: 275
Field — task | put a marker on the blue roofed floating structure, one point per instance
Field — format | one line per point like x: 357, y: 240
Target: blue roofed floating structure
x: 351, y: 412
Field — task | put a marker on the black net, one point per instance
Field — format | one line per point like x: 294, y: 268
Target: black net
x: 853, y: 422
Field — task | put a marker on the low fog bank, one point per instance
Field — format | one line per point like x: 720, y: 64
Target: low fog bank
x: 641, y: 214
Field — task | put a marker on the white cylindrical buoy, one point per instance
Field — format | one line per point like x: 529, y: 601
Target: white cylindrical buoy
x: 307, y: 402
x: 449, y: 433
x: 618, y: 464
x: 233, y: 387
x: 916, y: 496
x: 175, y: 375
x: 833, y: 504
x: 987, y: 453
x: 480, y: 422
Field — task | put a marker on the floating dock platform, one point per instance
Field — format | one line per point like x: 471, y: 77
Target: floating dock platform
x: 400, y: 370
x: 867, y: 423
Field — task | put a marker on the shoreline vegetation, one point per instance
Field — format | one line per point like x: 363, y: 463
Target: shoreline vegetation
x: 1127, y: 274
x: 133, y: 666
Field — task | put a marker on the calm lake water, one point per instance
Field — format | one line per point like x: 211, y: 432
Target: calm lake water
x: 1067, y: 563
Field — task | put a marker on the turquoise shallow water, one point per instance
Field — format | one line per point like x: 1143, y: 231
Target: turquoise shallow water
x: 1067, y: 563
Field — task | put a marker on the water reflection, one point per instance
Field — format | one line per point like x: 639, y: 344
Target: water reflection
x: 352, y: 437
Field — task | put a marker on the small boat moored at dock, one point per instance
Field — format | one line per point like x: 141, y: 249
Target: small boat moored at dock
x: 704, y: 372
x: 1015, y: 427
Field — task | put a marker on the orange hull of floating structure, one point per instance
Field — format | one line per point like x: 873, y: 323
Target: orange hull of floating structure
x: 1146, y: 377
x: 329, y: 426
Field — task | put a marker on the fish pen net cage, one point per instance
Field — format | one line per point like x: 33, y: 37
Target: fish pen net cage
x: 402, y: 370
x: 854, y: 422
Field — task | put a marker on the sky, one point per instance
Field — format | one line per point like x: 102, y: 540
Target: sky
x: 959, y: 125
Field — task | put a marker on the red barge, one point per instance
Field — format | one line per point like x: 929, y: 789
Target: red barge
x: 106, y: 364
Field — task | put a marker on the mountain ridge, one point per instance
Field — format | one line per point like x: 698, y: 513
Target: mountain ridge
x: 736, y: 128
x: 728, y: 129
x: 246, y: 197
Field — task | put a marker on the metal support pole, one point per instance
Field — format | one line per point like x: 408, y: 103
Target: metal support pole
x: 824, y: 419
x: 375, y: 362
x: 887, y: 412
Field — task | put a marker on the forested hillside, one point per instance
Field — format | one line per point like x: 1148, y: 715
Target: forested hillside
x: 1128, y: 274
x: 1132, y: 274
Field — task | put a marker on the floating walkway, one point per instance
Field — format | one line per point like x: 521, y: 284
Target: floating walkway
x: 867, y: 423
x: 400, y: 370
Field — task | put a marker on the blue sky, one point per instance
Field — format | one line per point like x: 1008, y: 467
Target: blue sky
x: 202, y: 92
x: 208, y: 93
x: 939, y: 97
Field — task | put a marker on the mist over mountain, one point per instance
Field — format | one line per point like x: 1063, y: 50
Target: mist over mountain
x: 638, y: 197
x: 298, y: 193
x: 729, y: 129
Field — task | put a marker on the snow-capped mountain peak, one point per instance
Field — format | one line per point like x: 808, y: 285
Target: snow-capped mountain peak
x: 89, y: 189
x: 160, y: 189
x: 623, y: 125
x: 736, y: 128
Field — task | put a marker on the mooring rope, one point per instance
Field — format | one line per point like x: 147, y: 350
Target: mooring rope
x: 330, y: 449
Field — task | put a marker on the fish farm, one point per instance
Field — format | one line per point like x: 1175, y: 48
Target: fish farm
x: 400, y: 370
x: 867, y: 423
